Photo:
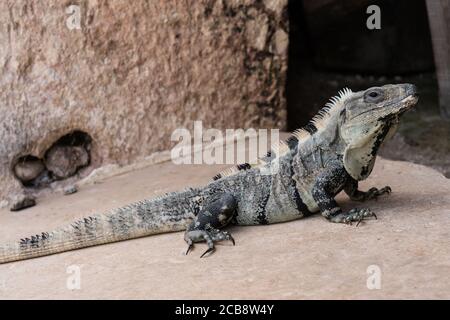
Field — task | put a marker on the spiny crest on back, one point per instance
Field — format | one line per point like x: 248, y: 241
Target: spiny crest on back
x: 319, y: 121
x: 231, y: 171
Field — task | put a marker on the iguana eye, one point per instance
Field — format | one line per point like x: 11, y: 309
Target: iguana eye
x: 373, y: 96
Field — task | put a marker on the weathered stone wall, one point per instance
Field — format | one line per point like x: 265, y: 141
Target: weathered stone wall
x: 134, y: 72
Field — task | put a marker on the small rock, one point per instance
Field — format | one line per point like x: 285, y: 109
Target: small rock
x: 22, y: 202
x: 28, y: 169
x: 64, y: 161
x: 70, y: 190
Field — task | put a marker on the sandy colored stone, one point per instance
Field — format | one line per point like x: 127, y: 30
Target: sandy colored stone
x: 303, y: 259
x: 132, y: 74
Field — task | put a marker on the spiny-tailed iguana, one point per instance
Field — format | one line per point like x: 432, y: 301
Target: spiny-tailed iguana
x: 332, y: 153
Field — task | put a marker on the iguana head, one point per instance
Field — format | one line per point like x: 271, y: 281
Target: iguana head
x: 366, y: 119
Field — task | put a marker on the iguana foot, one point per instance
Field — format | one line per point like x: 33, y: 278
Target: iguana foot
x: 214, y: 216
x: 209, y: 237
x: 374, y: 193
x: 354, y: 215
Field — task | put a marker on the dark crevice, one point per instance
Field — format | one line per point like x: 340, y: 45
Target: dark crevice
x: 62, y: 160
x: 75, y: 138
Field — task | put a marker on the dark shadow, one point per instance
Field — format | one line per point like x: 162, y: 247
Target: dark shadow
x: 332, y: 48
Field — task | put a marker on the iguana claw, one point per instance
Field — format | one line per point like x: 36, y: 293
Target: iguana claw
x: 190, y: 246
x: 211, y: 249
x: 374, y: 193
x: 209, y: 237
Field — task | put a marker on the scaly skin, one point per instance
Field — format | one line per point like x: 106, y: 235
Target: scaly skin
x: 332, y: 153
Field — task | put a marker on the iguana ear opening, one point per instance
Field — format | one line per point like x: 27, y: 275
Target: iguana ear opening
x: 359, y: 157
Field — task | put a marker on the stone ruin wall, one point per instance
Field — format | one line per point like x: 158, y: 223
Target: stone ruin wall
x: 131, y: 74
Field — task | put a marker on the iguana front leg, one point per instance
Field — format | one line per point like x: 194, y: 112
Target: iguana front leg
x: 351, y: 189
x: 327, y: 185
x: 205, y: 227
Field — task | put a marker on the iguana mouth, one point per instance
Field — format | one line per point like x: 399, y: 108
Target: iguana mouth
x: 412, y: 98
x: 406, y: 104
x: 409, y: 102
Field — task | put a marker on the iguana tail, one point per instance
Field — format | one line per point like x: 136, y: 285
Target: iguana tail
x: 171, y: 212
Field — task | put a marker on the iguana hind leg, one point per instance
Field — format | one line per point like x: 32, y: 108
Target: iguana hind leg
x: 207, y: 224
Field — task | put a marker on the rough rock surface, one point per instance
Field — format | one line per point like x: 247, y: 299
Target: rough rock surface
x: 133, y: 73
x: 303, y: 259
x: 64, y: 161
